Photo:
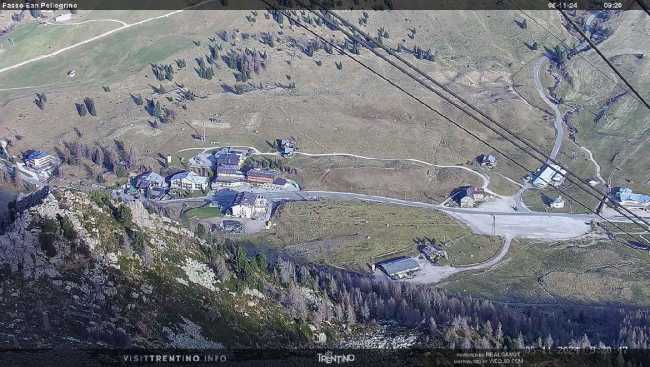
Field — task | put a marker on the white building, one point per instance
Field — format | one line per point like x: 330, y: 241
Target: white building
x: 149, y: 181
x: 41, y: 161
x: 3, y: 148
x: 249, y: 205
x: 557, y: 203
x: 549, y: 174
x: 468, y: 196
x: 188, y: 181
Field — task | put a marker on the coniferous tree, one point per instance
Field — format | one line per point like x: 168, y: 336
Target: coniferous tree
x: 90, y: 106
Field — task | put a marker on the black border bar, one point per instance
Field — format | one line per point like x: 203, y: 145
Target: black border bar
x: 9, y: 5
x: 593, y: 357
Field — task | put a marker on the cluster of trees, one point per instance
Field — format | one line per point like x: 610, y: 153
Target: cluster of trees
x: 184, y: 94
x: 163, y: 114
x: 306, y: 18
x: 226, y: 36
x: 278, y: 17
x: 635, y: 330
x: 272, y: 163
x: 180, y: 63
x: 245, y: 62
x: 117, y: 160
x: 363, y: 19
x: 214, y: 53
x: 382, y: 33
x: 330, y: 21
x: 417, y: 51
x: 267, y: 38
x: 557, y: 55
x: 163, y: 71
x: 88, y: 106
x: 310, y: 46
x: 203, y: 71
x: 40, y: 100
x: 422, y: 54
x: 351, y: 45
x: 412, y: 32
x: 242, y: 88
x: 442, y: 319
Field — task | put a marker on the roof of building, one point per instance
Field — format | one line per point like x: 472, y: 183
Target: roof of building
x: 548, y: 173
x: 191, y: 176
x: 287, y: 141
x: 466, y: 192
x: 144, y: 178
x: 247, y: 198
x: 231, y: 223
x: 487, y: 158
x: 626, y: 194
x: 228, y: 175
x: 227, y: 158
x: 229, y: 170
x: 240, y: 151
x: 474, y: 190
x: 37, y: 154
x: 261, y: 172
x: 202, y: 160
x: 399, y: 265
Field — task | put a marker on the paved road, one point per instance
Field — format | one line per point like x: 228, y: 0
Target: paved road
x: 513, y: 224
x: 484, y: 178
x: 346, y: 196
x: 87, y: 21
x: 92, y: 39
x: 430, y: 273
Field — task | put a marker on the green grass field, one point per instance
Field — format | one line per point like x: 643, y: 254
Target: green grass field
x: 31, y: 40
x: 352, y: 234
x: 578, y: 272
x: 202, y: 213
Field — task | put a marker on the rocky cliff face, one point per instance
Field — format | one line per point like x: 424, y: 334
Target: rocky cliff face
x: 20, y: 249
x: 82, y: 271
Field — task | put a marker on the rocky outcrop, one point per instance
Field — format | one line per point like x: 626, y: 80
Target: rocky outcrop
x: 20, y: 250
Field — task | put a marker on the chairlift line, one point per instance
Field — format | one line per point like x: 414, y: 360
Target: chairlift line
x: 344, y: 52
x: 546, y: 159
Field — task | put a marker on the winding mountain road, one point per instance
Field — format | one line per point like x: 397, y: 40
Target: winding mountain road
x: 98, y: 37
x: 485, y: 178
x: 87, y: 21
x: 257, y: 152
x: 430, y: 273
